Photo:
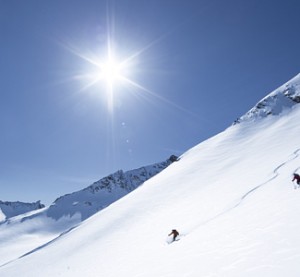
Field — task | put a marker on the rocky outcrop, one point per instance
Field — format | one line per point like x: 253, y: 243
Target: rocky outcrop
x: 104, y: 192
x: 276, y: 102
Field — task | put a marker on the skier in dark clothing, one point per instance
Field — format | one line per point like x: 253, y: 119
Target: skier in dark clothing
x: 297, y: 178
x: 174, y: 233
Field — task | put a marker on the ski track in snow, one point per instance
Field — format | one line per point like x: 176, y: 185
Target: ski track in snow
x: 295, y: 155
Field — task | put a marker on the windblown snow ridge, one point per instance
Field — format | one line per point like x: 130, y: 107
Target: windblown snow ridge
x: 276, y: 102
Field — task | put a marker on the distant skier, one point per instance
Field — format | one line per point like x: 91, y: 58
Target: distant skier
x: 174, y: 233
x: 297, y: 178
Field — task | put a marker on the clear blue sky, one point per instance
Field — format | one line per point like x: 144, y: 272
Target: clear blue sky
x: 193, y: 68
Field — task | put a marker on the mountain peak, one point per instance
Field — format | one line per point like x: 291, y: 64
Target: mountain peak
x: 283, y: 98
x: 104, y: 192
x: 10, y: 209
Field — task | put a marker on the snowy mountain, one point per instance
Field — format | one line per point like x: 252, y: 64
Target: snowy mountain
x: 102, y: 193
x: 10, y: 209
x: 68, y: 211
x: 230, y: 197
x: 276, y: 102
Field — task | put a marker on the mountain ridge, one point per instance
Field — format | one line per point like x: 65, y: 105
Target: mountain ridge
x: 69, y: 210
x: 10, y: 209
x: 282, y: 98
x: 105, y: 191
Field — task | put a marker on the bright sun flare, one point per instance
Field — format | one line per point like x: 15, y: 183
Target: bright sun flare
x: 108, y: 72
x: 111, y: 72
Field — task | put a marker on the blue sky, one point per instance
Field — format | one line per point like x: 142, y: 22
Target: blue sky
x: 192, y: 68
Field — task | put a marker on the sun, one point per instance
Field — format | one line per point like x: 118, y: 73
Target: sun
x: 106, y: 72
x: 111, y: 71
x: 109, y: 75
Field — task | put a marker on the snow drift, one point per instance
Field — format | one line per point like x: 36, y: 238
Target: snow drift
x: 230, y: 197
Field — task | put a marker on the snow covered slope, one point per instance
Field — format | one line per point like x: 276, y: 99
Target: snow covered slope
x: 10, y: 209
x: 21, y: 234
x: 230, y: 197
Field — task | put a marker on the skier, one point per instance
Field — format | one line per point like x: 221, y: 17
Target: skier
x: 174, y: 233
x: 297, y: 178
